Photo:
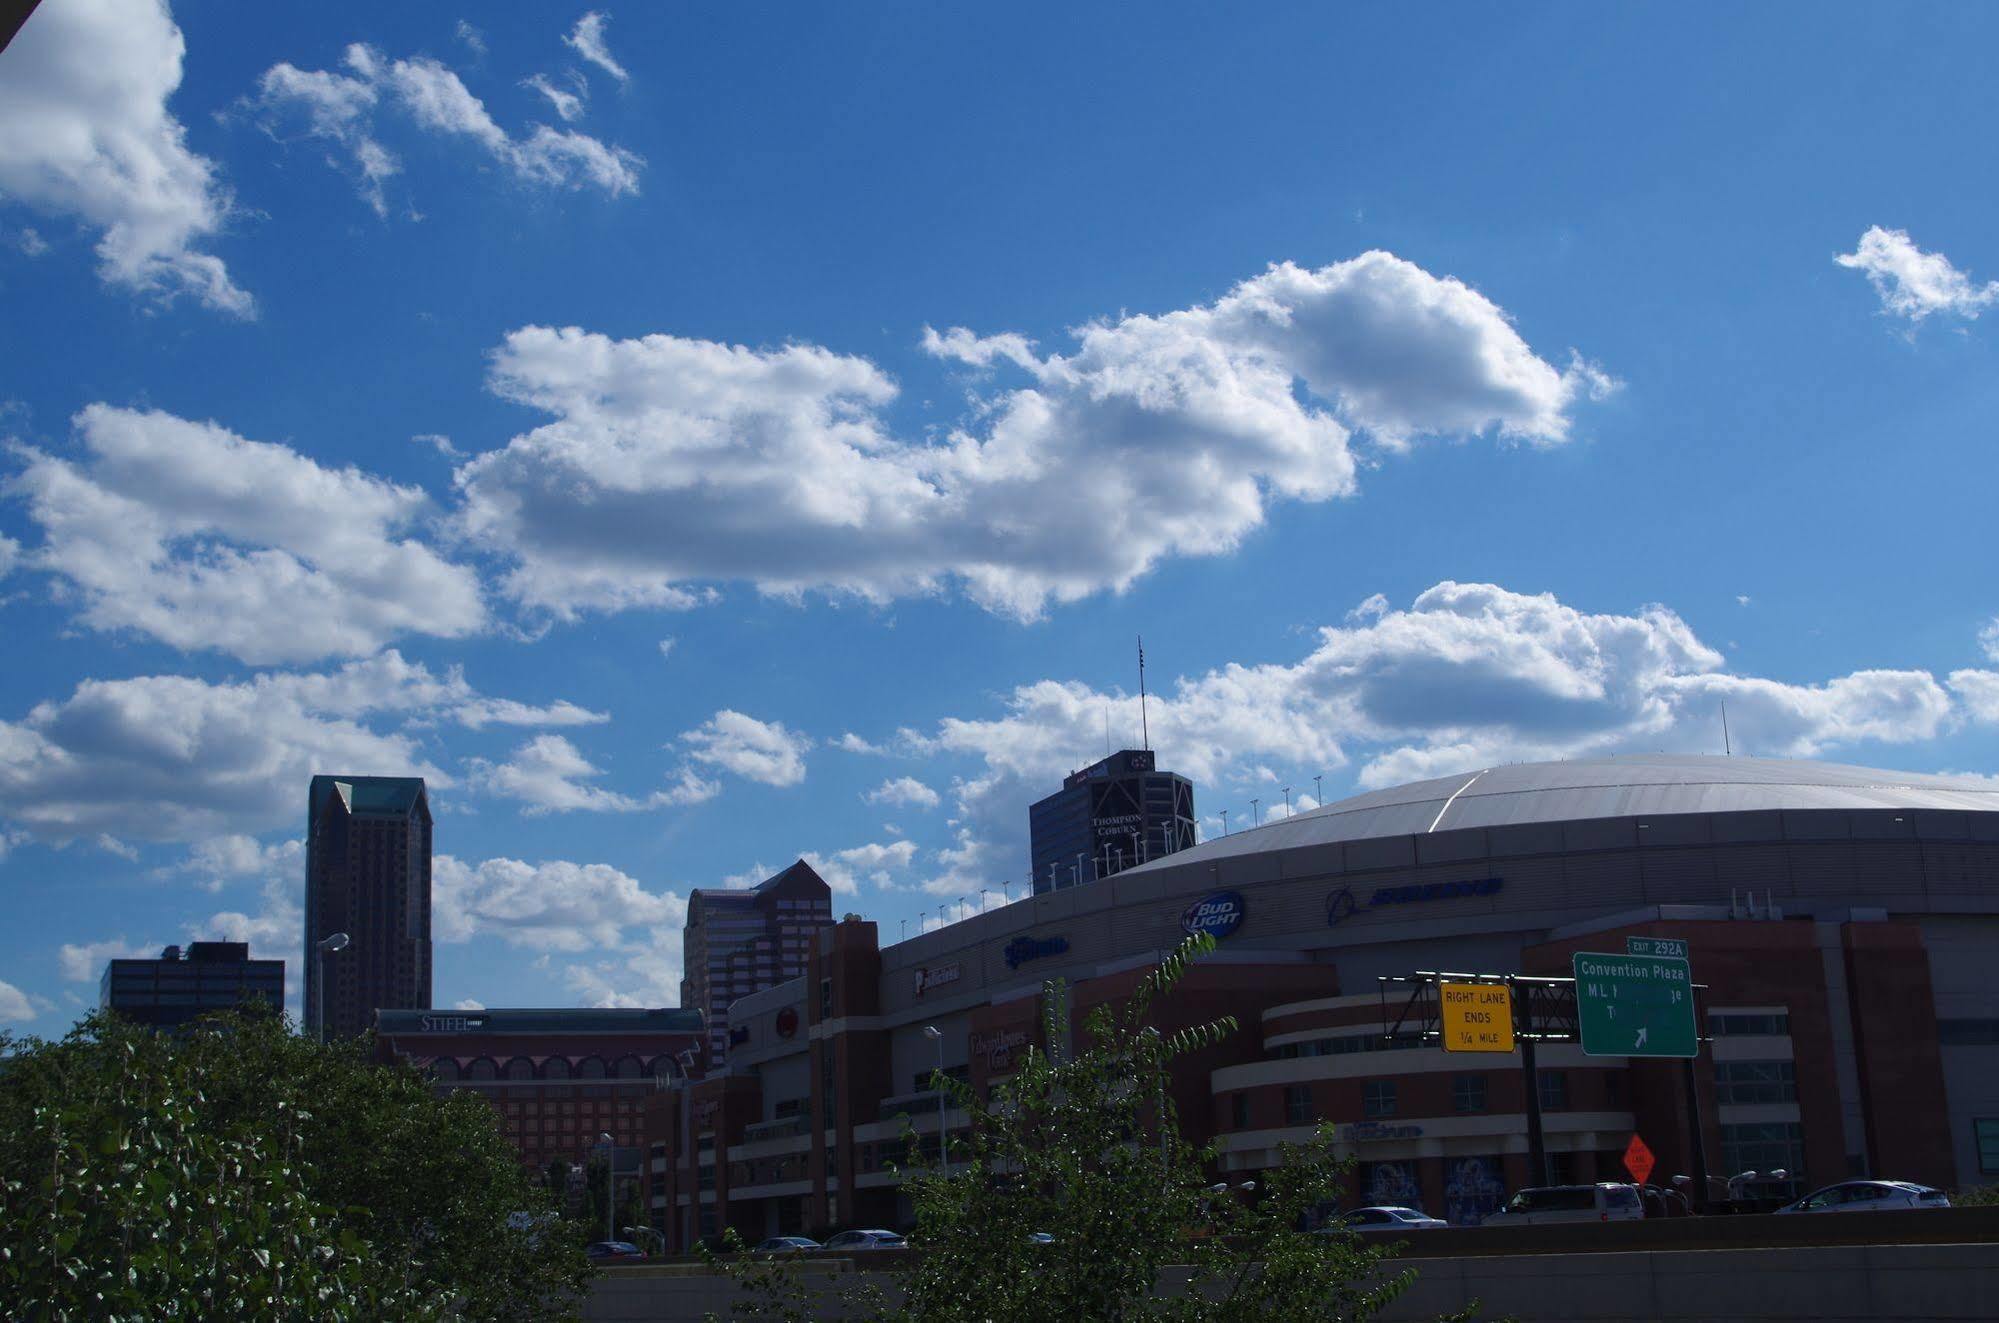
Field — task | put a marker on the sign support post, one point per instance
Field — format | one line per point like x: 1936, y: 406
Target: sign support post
x: 1537, y: 1149
x: 1697, y: 1145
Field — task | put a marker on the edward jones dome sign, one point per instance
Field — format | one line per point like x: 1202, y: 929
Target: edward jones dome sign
x: 1217, y: 915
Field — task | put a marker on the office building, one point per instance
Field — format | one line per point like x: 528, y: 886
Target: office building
x: 1840, y: 923
x: 558, y: 1079
x: 185, y: 983
x: 1112, y: 815
x: 367, y: 874
x: 739, y: 942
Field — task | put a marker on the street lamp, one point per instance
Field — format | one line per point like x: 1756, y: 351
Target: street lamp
x: 936, y: 1035
x: 331, y: 942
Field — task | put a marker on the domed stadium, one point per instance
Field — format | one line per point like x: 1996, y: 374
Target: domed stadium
x: 1838, y: 921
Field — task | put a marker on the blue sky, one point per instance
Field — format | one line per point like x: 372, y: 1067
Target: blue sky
x: 700, y: 436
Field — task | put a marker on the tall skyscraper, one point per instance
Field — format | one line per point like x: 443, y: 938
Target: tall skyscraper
x: 367, y: 874
x: 183, y: 985
x: 739, y: 942
x: 1106, y: 818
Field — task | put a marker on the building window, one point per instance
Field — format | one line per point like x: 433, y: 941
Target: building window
x: 1297, y: 1104
x: 1985, y: 1135
x: 1763, y: 1147
x: 1755, y: 1082
x: 1377, y: 1098
x: 1736, y: 1024
x: 1468, y: 1093
x: 1613, y: 1089
x: 825, y: 999
x: 1239, y: 1110
x: 1554, y: 1086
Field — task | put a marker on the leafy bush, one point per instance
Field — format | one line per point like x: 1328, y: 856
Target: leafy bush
x: 242, y: 1172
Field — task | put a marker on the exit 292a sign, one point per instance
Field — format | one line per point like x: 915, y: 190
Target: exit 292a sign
x: 1634, y: 1005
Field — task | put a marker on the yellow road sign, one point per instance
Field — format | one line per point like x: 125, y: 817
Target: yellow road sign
x: 1477, y: 1017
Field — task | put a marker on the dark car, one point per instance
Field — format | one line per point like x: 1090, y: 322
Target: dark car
x: 614, y: 1251
x: 785, y: 1245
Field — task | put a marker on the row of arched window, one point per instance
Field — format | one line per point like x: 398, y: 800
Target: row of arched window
x: 552, y: 1068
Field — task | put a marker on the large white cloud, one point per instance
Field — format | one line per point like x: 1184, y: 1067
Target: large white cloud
x: 671, y: 461
x: 1467, y: 676
x: 341, y: 108
x: 549, y: 774
x: 85, y: 132
x: 764, y: 751
x: 554, y: 905
x: 200, y: 538
x: 172, y: 757
x: 1912, y: 283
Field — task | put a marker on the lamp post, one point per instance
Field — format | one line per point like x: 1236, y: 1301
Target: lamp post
x: 1319, y: 789
x: 1255, y: 813
x: 330, y: 942
x: 936, y: 1035
x: 1287, y: 801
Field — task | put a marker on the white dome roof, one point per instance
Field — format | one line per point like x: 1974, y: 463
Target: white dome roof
x: 1625, y: 787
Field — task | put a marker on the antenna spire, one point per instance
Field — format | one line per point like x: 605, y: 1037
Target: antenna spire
x: 1144, y: 726
x: 1727, y: 749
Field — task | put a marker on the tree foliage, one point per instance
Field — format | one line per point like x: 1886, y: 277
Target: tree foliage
x: 1086, y: 1148
x: 239, y: 1171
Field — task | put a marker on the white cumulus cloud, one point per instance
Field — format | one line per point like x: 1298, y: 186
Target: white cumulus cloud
x: 550, y: 775
x: 669, y: 461
x: 554, y: 905
x: 15, y: 1008
x: 1466, y: 676
x: 878, y: 863
x: 173, y: 757
x: 1912, y: 283
x: 85, y: 132
x: 83, y: 962
x: 193, y: 535
x: 903, y: 790
x: 763, y: 751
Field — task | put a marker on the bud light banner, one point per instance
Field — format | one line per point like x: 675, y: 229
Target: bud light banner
x: 1217, y: 915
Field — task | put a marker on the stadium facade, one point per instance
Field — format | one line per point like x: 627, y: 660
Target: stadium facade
x: 1843, y: 922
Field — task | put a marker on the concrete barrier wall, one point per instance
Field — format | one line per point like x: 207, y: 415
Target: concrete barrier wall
x: 1917, y: 1283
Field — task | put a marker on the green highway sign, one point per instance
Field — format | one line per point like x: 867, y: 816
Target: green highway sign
x: 1665, y: 946
x: 1635, y: 1005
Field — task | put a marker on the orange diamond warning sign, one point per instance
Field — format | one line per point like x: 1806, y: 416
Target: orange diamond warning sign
x: 1638, y: 1160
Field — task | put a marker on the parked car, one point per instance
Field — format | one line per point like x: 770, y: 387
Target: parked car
x: 786, y: 1245
x: 614, y: 1251
x: 866, y: 1240
x: 1389, y: 1218
x: 1542, y: 1204
x: 1868, y: 1196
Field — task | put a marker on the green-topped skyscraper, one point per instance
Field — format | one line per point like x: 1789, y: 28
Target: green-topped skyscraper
x: 367, y: 876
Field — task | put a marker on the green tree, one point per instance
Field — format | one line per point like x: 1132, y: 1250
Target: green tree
x: 1086, y: 1148
x: 240, y: 1171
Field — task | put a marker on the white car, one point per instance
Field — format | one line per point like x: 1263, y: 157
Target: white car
x: 1867, y: 1196
x: 866, y: 1240
x: 1542, y: 1204
x: 1385, y: 1218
